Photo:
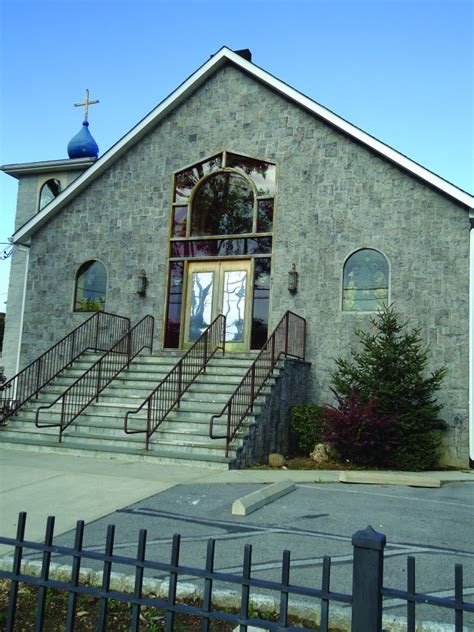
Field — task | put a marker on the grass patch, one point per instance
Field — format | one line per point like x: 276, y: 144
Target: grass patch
x: 119, y: 614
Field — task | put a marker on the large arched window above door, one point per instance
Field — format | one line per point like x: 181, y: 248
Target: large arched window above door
x: 91, y: 287
x: 227, y: 194
x: 365, y: 281
x: 223, y: 204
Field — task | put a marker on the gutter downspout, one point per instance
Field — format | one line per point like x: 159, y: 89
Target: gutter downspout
x: 471, y: 340
x: 23, y: 300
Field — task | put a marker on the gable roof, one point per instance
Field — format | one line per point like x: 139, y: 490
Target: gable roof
x: 223, y: 56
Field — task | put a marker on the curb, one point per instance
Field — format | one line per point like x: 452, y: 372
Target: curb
x: 263, y: 496
x: 388, y: 478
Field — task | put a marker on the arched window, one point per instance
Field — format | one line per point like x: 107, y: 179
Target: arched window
x: 91, y: 287
x: 365, y: 281
x: 49, y: 190
x: 223, y: 205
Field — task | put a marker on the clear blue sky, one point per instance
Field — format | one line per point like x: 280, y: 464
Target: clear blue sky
x: 402, y: 70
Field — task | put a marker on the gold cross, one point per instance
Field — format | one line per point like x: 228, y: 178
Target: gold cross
x: 86, y: 103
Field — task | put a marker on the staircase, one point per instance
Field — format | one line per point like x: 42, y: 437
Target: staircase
x: 183, y: 438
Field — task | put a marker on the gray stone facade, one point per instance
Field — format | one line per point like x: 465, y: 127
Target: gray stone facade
x: 334, y: 196
x: 271, y: 430
x: 29, y: 187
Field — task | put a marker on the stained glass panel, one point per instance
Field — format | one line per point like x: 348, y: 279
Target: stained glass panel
x: 201, y: 303
x: 365, y: 285
x: 233, y: 305
x: 91, y: 287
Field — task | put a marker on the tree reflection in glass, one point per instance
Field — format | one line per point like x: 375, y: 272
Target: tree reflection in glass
x: 186, y: 180
x: 201, y: 303
x: 234, y: 304
x: 262, y: 173
x: 223, y: 205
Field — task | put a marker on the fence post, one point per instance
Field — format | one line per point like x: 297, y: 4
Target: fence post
x: 367, y: 580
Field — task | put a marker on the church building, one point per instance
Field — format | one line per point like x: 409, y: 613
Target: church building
x: 239, y: 195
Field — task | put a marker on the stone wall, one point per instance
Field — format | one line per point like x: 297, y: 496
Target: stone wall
x: 333, y: 197
x: 270, y: 432
x: 27, y: 205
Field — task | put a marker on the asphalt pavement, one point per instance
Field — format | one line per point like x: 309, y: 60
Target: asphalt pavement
x: 316, y: 519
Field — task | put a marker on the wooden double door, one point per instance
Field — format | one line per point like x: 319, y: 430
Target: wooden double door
x: 219, y: 287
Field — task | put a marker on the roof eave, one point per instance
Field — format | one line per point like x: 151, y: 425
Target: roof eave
x: 190, y: 85
x: 18, y: 170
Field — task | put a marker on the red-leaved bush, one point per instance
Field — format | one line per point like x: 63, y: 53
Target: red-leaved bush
x: 359, y: 434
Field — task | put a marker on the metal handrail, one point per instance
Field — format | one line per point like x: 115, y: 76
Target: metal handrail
x: 98, y: 333
x: 167, y: 395
x: 289, y: 340
x: 87, y: 388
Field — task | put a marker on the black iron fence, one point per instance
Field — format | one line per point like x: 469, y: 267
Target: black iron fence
x: 98, y: 333
x: 365, y: 602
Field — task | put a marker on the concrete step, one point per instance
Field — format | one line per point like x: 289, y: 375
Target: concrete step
x: 183, y: 436
x: 178, y: 443
x: 130, y: 454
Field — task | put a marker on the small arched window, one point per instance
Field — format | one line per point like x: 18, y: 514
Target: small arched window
x: 365, y: 281
x: 49, y: 190
x: 91, y: 287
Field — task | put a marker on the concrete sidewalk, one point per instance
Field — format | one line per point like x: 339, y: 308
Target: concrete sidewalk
x: 88, y: 488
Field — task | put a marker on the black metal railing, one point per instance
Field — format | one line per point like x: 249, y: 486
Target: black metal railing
x: 167, y: 395
x: 87, y: 388
x: 97, y: 333
x: 287, y: 340
x: 365, y: 604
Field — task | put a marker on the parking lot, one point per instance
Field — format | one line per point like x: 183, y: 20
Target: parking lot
x: 434, y: 525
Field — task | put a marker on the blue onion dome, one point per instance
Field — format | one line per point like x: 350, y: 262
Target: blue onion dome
x: 83, y: 145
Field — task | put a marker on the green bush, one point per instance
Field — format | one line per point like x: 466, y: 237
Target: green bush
x: 390, y: 368
x: 307, y: 428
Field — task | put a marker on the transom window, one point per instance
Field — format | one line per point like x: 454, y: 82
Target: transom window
x: 91, y: 287
x: 49, y: 190
x: 365, y: 281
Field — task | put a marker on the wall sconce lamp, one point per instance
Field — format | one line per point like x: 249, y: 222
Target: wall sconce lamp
x: 142, y: 283
x: 293, y: 280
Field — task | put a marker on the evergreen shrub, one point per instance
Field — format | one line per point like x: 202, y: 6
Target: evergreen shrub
x: 389, y: 371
